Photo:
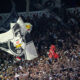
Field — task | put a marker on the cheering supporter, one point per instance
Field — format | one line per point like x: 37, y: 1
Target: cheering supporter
x: 52, y: 53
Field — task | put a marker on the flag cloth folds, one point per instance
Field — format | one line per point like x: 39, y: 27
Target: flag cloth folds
x: 18, y: 58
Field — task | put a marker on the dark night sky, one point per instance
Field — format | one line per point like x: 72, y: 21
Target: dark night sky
x: 72, y: 3
x: 5, y: 5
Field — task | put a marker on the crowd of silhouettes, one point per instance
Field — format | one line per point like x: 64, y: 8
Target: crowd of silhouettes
x: 46, y: 31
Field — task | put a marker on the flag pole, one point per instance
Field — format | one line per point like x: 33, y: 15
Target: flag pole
x: 27, y: 6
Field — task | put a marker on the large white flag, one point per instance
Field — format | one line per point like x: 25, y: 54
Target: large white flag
x: 28, y: 46
x: 19, y: 37
x: 31, y: 52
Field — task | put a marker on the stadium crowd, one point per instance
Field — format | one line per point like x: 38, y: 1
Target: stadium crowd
x: 46, y: 31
